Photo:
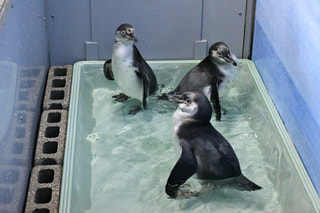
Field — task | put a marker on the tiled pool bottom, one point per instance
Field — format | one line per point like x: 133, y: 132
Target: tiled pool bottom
x: 120, y: 163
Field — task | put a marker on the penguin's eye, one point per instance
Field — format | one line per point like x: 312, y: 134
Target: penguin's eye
x: 215, y: 53
x: 219, y: 53
x: 123, y: 32
x: 188, y: 101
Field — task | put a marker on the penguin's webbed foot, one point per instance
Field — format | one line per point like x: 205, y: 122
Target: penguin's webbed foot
x: 163, y: 96
x: 224, y: 111
x: 135, y: 110
x: 218, y: 117
x: 179, y: 193
x: 121, y: 97
x: 209, y: 187
x: 160, y: 87
x: 184, y: 193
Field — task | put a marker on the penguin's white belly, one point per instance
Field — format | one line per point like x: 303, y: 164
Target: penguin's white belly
x: 230, y: 75
x: 125, y: 74
x: 207, y: 91
x: 176, y: 143
x: 128, y: 80
x: 177, y: 121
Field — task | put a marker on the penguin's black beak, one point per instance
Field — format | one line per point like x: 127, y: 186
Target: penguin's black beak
x: 175, y: 98
x: 229, y: 59
x: 132, y: 37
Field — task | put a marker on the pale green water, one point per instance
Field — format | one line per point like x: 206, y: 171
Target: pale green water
x: 123, y: 161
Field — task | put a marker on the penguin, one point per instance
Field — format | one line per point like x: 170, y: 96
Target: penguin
x: 202, y: 149
x: 128, y: 68
x: 212, y: 76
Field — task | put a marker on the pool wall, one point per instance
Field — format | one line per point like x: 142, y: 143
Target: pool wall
x: 285, y: 52
x: 277, y: 146
x: 82, y: 29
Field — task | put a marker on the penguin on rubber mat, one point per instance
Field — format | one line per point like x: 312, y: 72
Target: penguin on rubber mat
x: 127, y: 67
x: 202, y: 149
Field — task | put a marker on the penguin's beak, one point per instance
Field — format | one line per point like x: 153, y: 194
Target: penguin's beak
x: 175, y: 98
x: 229, y: 59
x: 132, y: 37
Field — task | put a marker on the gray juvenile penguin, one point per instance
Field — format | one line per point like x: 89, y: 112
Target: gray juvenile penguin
x: 127, y: 67
x: 211, y: 76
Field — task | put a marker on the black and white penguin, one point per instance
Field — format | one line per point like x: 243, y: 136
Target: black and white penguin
x: 127, y: 67
x: 212, y: 75
x: 202, y: 149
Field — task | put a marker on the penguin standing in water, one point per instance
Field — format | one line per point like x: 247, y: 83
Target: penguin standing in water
x: 202, y: 149
x: 211, y: 76
x: 133, y: 75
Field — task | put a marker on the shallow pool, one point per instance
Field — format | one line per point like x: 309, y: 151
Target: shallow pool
x: 115, y: 162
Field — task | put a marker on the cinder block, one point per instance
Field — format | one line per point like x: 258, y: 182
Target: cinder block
x: 51, y: 138
x: 30, y: 87
x: 57, y: 94
x: 44, y: 189
x: 13, y: 188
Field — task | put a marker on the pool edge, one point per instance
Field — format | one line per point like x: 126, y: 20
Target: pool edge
x: 293, y: 154
x: 68, y: 170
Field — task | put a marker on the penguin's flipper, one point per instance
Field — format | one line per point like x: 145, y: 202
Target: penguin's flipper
x: 184, y: 169
x: 145, y: 84
x: 144, y: 71
x: 216, y: 101
x: 107, y: 70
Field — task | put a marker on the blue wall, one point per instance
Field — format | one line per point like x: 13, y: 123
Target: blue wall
x: 24, y: 59
x: 286, y: 49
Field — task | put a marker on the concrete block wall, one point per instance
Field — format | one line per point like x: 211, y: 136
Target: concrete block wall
x: 44, y: 189
x: 51, y: 138
x: 45, y: 180
x: 58, y: 88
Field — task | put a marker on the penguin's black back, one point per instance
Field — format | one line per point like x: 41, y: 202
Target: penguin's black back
x: 216, y: 158
x: 145, y: 70
x: 204, y: 74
